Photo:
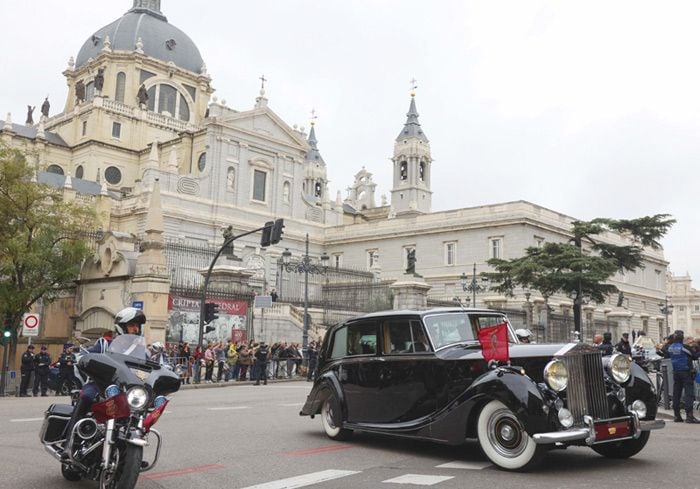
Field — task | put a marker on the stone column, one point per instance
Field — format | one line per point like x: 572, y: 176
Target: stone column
x: 410, y: 292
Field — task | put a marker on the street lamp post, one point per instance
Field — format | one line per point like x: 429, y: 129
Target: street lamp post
x: 665, y: 309
x: 306, y: 267
x: 473, y: 286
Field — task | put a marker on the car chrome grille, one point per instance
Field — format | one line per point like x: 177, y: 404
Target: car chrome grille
x: 586, y: 387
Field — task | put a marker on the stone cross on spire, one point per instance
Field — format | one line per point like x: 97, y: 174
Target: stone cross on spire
x: 414, y: 85
x: 261, y: 101
x: 313, y: 117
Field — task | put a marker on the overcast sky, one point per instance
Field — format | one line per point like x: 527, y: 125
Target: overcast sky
x: 588, y: 108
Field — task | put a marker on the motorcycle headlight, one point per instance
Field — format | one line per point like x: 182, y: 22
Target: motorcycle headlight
x: 111, y: 391
x: 137, y: 397
x: 556, y: 375
x: 620, y: 367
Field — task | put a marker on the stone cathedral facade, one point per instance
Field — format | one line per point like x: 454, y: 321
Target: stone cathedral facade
x: 142, y: 137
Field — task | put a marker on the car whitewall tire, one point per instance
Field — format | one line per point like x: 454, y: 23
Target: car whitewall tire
x: 504, y: 440
x: 332, y: 431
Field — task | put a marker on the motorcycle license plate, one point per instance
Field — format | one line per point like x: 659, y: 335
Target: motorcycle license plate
x: 612, y: 429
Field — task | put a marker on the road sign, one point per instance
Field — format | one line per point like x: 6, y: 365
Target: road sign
x: 137, y: 304
x: 262, y: 301
x: 30, y: 324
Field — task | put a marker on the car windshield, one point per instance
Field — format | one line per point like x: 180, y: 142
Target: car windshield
x: 460, y: 327
x: 129, y: 344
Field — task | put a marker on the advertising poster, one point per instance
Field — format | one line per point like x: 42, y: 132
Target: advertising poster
x: 183, y: 320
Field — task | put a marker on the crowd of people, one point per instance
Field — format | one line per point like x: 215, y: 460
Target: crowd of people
x: 239, y: 361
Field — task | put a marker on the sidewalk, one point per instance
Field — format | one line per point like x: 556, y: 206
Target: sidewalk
x: 232, y: 383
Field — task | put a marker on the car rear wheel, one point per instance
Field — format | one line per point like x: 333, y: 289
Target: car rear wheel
x: 329, y: 425
x: 504, y: 440
x: 622, y: 449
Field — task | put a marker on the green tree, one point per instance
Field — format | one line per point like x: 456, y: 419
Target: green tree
x: 41, y: 248
x: 582, y: 267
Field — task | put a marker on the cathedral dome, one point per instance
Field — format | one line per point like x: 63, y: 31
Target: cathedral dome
x: 160, y: 39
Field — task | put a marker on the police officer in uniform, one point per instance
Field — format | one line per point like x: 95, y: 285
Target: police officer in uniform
x: 26, y: 369
x: 312, y: 352
x: 262, y: 356
x: 65, y: 368
x: 682, y: 360
x: 41, y: 374
x: 623, y: 346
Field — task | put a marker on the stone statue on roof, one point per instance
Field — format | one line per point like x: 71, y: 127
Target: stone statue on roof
x: 142, y: 95
x: 100, y: 79
x: 411, y: 261
x: 30, y: 118
x: 80, y: 91
x: 45, y: 107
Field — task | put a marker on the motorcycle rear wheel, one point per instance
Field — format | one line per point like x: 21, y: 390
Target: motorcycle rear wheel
x: 128, y: 467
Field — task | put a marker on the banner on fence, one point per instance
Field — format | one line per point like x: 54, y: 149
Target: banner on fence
x: 183, y: 320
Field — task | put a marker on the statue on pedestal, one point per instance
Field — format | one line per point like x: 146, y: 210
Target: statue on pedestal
x: 30, y: 118
x: 99, y: 79
x: 45, y: 107
x: 80, y: 91
x: 411, y: 261
x: 142, y: 96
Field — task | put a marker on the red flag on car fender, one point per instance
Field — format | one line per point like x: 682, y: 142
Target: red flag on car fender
x: 494, y: 342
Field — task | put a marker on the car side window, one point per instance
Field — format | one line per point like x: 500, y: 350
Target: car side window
x: 340, y: 343
x: 404, y: 336
x: 361, y: 339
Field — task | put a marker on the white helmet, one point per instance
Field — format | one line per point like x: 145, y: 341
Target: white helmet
x: 157, y: 347
x: 523, y: 333
x: 129, y: 315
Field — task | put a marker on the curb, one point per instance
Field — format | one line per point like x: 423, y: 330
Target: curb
x: 234, y: 383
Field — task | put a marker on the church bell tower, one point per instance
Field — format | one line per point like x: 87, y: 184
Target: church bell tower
x: 410, y: 193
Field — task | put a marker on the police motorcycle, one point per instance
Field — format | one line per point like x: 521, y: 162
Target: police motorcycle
x: 106, y: 443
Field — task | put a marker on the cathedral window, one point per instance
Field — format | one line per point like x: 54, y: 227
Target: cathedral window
x: 259, y: 184
x: 421, y: 171
x: 84, y: 128
x: 116, y: 130
x: 372, y: 258
x: 496, y: 247
x: 90, y: 91
x: 168, y: 101
x: 318, y: 191
x: 113, y: 175
x: 79, y: 171
x: 55, y: 169
x: 286, y: 190
x: 403, y: 174
x: 121, y: 87
x: 202, y: 162
x: 450, y: 253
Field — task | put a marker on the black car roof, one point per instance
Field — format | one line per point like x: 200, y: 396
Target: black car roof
x: 411, y: 312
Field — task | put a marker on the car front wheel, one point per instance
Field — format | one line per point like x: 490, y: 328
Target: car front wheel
x: 329, y: 425
x: 504, y: 440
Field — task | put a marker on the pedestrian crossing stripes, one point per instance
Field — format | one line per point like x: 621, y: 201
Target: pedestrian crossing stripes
x: 419, y: 479
x: 304, y: 480
x: 328, y: 475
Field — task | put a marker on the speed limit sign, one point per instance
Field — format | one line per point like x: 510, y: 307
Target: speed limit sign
x: 30, y: 324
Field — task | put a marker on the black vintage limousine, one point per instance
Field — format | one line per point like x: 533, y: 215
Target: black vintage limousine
x: 421, y: 374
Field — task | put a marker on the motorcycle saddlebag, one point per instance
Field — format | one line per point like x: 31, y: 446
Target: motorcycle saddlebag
x: 55, y: 420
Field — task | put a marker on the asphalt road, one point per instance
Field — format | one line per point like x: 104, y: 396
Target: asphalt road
x: 248, y: 436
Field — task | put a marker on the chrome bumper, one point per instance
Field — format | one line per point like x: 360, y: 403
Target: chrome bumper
x: 588, y: 433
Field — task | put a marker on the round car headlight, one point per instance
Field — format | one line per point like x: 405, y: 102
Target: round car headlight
x: 137, y: 397
x: 556, y: 375
x: 566, y: 418
x: 620, y: 366
x: 640, y: 408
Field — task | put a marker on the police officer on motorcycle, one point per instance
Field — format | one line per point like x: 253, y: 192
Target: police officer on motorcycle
x: 127, y: 321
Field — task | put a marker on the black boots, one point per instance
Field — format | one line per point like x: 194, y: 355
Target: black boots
x: 690, y: 419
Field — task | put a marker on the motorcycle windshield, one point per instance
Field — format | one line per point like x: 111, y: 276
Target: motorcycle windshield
x: 131, y: 345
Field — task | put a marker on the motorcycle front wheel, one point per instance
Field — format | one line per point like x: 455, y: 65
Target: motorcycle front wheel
x: 128, y: 465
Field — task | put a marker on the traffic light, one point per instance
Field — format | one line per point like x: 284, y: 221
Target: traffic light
x: 7, y: 329
x: 265, y: 239
x: 211, y: 310
x: 277, y: 231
